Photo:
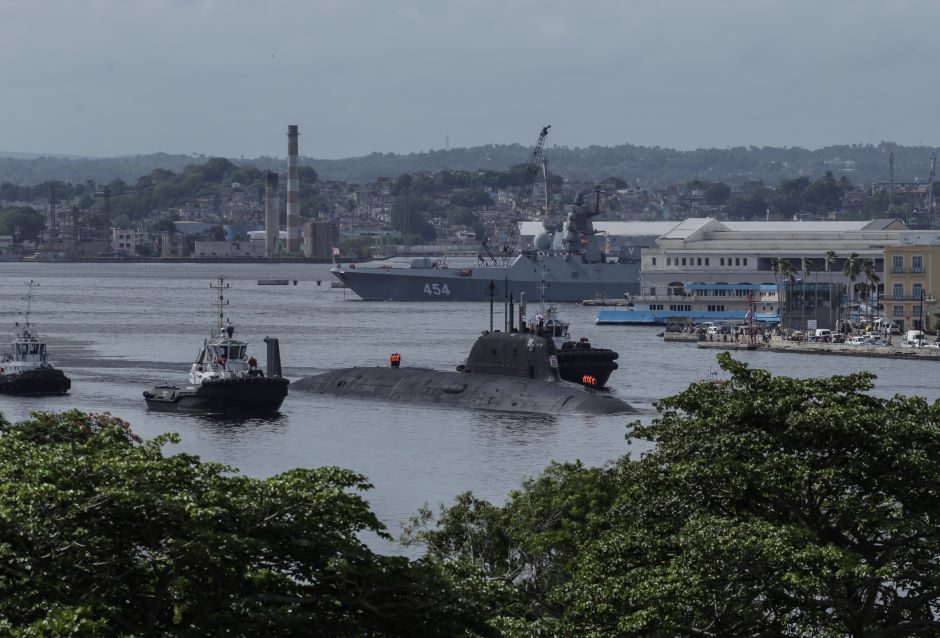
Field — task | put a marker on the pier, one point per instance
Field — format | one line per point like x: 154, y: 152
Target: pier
x: 777, y: 344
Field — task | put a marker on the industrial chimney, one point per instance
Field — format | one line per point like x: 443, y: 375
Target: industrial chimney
x: 272, y: 226
x: 294, y: 229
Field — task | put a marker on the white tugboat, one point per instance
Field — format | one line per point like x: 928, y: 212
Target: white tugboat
x: 27, y: 370
x: 223, y: 378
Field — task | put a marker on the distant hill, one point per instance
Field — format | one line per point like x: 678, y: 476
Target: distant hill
x: 650, y: 166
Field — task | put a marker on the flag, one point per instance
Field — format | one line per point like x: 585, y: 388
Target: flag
x: 335, y: 251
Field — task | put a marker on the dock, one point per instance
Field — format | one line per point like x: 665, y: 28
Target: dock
x: 777, y: 344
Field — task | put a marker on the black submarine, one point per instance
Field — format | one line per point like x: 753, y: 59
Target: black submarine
x: 515, y: 371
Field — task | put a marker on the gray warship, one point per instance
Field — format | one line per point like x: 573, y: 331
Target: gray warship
x: 568, y: 259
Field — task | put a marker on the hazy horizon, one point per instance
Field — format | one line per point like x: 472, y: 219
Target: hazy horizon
x: 101, y: 78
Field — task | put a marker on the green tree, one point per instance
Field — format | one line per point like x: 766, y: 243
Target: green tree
x: 771, y: 506
x: 23, y: 221
x: 717, y: 194
x: 103, y: 534
x: 852, y: 268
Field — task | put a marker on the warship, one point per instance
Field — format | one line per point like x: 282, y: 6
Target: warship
x: 26, y: 370
x: 223, y: 378
x: 567, y: 261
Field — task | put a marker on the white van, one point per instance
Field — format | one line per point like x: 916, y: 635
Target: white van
x: 915, y: 337
x: 822, y: 334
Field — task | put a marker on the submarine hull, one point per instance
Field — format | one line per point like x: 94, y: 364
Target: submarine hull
x: 460, y: 389
x: 255, y: 395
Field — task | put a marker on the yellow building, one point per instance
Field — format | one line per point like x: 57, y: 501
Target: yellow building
x: 911, y: 285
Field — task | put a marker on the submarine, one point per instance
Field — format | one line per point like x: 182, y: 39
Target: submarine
x: 508, y: 371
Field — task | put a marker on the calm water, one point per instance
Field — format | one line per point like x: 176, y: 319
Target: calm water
x: 118, y: 329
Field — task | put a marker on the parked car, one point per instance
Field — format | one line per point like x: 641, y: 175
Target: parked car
x: 857, y: 340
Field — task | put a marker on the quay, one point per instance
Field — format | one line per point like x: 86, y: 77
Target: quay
x: 777, y: 344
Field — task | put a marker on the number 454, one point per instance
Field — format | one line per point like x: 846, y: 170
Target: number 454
x: 436, y: 289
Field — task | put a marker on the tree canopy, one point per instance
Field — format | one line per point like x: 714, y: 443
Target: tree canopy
x: 103, y: 534
x: 770, y: 506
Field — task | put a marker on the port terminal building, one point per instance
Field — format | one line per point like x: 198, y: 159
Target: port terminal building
x: 677, y: 254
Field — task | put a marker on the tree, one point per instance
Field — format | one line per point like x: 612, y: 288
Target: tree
x: 871, y: 283
x: 852, y: 268
x: 104, y: 534
x: 771, y: 506
x: 831, y: 258
x: 717, y: 194
x: 25, y: 222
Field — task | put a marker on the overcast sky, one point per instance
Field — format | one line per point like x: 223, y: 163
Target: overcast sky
x: 226, y: 77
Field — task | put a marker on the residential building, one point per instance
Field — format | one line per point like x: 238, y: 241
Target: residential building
x: 912, y: 279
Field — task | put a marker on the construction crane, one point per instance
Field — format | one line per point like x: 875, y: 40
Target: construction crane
x: 522, y: 200
x: 930, y: 200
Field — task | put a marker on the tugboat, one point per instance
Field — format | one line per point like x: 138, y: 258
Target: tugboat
x: 223, y: 378
x: 27, y: 369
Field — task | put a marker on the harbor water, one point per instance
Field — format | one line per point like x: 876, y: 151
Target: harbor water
x: 118, y: 329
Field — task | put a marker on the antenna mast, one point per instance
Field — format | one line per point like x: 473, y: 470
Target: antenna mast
x: 930, y: 198
x: 891, y: 185
x: 29, y: 300
x: 221, y: 287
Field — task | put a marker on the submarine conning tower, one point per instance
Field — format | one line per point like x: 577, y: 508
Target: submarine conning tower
x: 514, y: 354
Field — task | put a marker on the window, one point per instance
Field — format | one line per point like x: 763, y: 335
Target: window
x: 668, y: 261
x: 917, y: 291
x: 897, y: 263
x: 917, y: 263
x: 706, y: 261
x: 683, y: 261
x: 745, y: 261
x: 722, y: 261
x: 699, y: 261
x: 898, y: 311
x: 652, y: 290
x: 654, y: 261
x: 737, y: 261
x: 898, y: 291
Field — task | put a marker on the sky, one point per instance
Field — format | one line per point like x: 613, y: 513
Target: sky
x: 226, y: 77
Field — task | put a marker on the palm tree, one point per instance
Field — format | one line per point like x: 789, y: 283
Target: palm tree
x: 788, y: 272
x: 830, y: 260
x: 871, y: 283
x: 852, y: 269
x: 808, y: 270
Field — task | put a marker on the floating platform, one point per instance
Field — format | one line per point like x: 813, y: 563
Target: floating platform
x: 275, y: 282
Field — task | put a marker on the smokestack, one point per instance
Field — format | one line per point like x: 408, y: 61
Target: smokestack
x: 294, y: 228
x: 272, y: 226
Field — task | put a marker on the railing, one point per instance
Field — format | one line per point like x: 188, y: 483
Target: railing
x: 917, y: 270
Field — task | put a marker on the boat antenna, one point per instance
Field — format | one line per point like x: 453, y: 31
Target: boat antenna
x: 492, y: 290
x: 29, y: 300
x: 221, y: 287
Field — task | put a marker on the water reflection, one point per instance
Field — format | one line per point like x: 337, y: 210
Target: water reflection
x: 233, y: 425
x: 514, y: 429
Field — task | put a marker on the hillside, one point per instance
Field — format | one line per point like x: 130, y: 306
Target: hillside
x: 652, y: 166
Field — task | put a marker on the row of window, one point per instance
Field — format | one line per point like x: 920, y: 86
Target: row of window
x: 702, y: 261
x: 917, y: 263
x: 917, y: 291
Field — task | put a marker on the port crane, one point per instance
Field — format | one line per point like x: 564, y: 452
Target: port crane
x: 523, y: 199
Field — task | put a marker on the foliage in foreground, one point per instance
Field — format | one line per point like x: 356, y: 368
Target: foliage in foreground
x: 770, y: 506
x: 101, y: 533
